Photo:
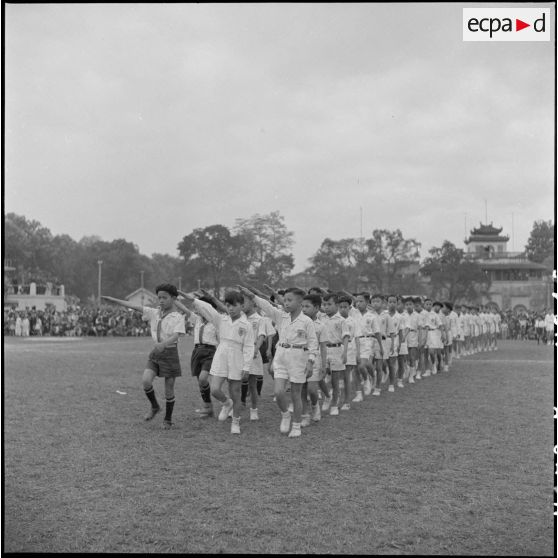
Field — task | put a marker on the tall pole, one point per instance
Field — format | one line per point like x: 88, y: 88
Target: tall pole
x: 180, y: 283
x: 486, y: 211
x: 513, y: 240
x: 141, y: 283
x: 100, y: 263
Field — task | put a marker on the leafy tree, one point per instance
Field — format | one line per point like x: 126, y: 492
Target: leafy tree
x: 211, y: 254
x: 335, y: 263
x: 540, y: 244
x: 384, y: 259
x: 265, y: 247
x: 452, y: 276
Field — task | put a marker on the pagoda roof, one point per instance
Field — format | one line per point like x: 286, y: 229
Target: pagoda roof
x: 487, y: 230
x: 487, y: 233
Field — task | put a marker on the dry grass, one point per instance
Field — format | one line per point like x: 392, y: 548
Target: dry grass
x: 458, y: 464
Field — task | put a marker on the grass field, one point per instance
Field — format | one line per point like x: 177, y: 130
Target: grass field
x: 460, y: 463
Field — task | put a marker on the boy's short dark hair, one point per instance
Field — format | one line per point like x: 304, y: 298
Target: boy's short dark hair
x: 392, y: 296
x: 408, y: 299
x: 330, y: 296
x: 168, y: 288
x: 437, y: 303
x: 296, y: 291
x: 377, y: 295
x: 315, y: 290
x: 417, y: 300
x: 234, y: 297
x: 448, y: 305
x: 364, y: 295
x: 314, y: 299
x: 426, y: 299
x: 281, y: 292
x: 344, y: 298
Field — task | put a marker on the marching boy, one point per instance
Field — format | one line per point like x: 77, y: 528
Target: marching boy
x: 234, y: 355
x: 167, y: 326
x: 295, y: 354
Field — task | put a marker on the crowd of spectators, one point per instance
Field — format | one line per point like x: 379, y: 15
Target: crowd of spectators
x: 105, y: 321
x: 75, y: 322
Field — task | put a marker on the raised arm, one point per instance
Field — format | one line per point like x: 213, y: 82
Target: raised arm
x: 220, y: 306
x: 125, y: 303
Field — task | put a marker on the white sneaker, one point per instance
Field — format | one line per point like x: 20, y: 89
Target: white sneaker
x: 345, y: 407
x: 391, y: 389
x: 446, y: 368
x: 426, y: 374
x: 358, y: 398
x: 254, y: 414
x: 235, y: 426
x: 418, y: 376
x: 290, y: 408
x: 367, y: 387
x: 399, y: 383
x: 226, y: 409
x: 411, y: 380
x: 316, y: 413
x: 295, y: 431
x: 327, y: 403
x: 434, y: 370
x: 285, y: 422
x: 305, y: 421
x: 376, y: 391
x: 334, y: 410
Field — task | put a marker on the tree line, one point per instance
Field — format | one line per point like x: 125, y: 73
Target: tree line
x: 257, y: 250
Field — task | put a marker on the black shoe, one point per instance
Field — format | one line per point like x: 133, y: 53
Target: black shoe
x: 153, y: 411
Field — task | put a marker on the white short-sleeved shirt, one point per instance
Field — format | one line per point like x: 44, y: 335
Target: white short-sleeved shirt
x: 370, y: 323
x: 234, y: 335
x: 258, y: 325
x: 268, y: 326
x: 298, y: 332
x: 333, y: 328
x: 172, y: 323
x: 387, y: 325
x: 209, y: 335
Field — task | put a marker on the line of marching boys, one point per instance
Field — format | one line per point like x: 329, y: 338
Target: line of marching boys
x: 317, y: 345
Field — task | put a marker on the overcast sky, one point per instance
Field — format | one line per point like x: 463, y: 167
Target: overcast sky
x: 143, y: 121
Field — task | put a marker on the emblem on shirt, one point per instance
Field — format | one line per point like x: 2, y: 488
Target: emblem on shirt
x: 241, y: 331
x: 301, y: 332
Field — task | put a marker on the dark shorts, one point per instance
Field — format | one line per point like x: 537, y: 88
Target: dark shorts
x: 202, y: 357
x: 263, y: 352
x: 165, y: 364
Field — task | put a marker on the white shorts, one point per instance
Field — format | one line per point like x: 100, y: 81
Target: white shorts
x: 412, y: 338
x: 317, y: 373
x: 351, y: 353
x: 334, y: 360
x: 256, y: 368
x: 290, y: 364
x: 376, y: 349
x: 227, y: 362
x: 434, y: 339
x: 365, y: 347
x: 403, y: 349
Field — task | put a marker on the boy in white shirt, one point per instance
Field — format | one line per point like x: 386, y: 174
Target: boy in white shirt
x: 234, y: 355
x: 296, y: 352
x: 350, y: 332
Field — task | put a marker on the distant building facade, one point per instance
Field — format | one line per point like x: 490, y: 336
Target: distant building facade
x: 143, y: 297
x: 516, y: 282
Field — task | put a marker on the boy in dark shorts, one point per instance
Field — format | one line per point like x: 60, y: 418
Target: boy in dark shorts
x: 206, y: 340
x: 167, y: 326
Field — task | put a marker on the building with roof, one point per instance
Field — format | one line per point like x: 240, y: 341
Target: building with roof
x: 143, y: 297
x: 516, y: 282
